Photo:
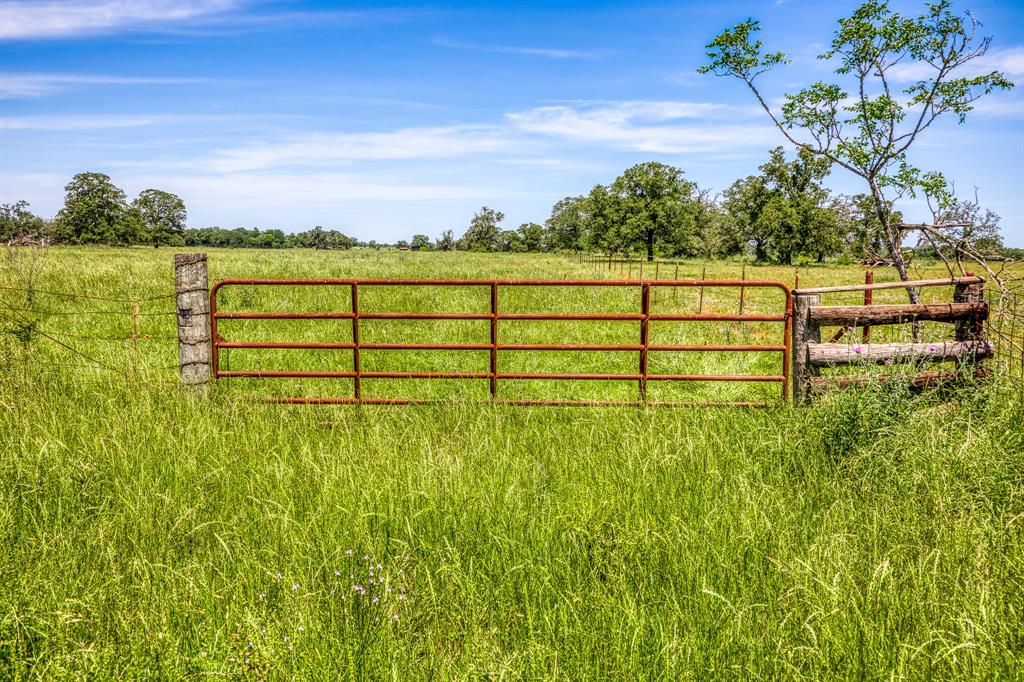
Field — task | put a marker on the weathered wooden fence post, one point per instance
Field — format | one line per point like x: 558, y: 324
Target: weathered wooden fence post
x: 193, y: 301
x: 804, y: 331
x: 973, y: 327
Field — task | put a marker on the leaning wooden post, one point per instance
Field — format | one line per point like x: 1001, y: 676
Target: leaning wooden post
x: 804, y: 332
x: 193, y: 299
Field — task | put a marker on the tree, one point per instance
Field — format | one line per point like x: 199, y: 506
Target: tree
x: 95, y: 212
x: 567, y: 223
x: 483, y: 233
x: 601, y: 211
x: 510, y: 241
x: 745, y: 202
x: 961, y: 229
x: 709, y: 238
x: 870, y: 132
x: 654, y: 198
x: 446, y: 242
x: 858, y: 227
x: 17, y: 222
x: 420, y: 242
x: 534, y: 237
x: 801, y: 224
x: 163, y: 216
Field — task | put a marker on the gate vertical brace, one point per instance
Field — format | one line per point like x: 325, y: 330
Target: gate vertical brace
x: 356, y: 384
x: 645, y: 310
x: 494, y: 340
x: 869, y: 278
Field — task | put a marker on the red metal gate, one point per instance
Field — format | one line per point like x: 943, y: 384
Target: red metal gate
x: 494, y: 315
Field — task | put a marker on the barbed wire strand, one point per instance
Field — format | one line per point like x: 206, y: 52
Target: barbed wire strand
x: 90, y: 297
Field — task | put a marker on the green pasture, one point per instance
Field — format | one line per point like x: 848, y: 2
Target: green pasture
x: 149, y: 533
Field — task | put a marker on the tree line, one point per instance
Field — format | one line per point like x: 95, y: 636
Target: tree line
x: 782, y: 214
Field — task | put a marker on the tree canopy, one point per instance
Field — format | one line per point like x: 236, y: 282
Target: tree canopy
x: 860, y: 121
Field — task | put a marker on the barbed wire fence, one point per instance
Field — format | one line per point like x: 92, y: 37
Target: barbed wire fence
x: 34, y: 317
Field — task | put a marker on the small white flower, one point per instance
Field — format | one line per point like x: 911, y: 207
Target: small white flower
x: 295, y: 587
x: 349, y: 552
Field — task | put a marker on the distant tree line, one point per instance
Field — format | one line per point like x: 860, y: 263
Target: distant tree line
x: 782, y: 214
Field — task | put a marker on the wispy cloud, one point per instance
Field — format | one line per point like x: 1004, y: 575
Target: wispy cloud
x: 1010, y: 61
x: 24, y: 85
x: 549, y: 52
x: 318, y: 149
x: 655, y: 127
x: 995, y: 105
x: 75, y: 122
x: 40, y: 19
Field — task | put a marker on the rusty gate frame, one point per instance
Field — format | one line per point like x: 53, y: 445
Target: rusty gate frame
x: 494, y: 316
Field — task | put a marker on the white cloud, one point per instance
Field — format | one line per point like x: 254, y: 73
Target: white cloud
x: 1010, y: 61
x: 307, y: 188
x: 23, y: 85
x: 36, y: 19
x: 646, y: 126
x: 549, y: 52
x: 999, y: 106
x: 76, y: 122
x: 332, y: 148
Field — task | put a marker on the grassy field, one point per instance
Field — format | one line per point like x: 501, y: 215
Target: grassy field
x: 146, y: 533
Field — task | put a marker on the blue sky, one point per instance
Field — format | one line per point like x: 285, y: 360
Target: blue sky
x: 385, y: 121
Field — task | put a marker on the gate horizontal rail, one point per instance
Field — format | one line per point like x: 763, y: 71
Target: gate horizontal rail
x: 493, y: 375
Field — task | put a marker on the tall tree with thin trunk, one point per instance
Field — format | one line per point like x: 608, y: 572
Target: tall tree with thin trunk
x: 653, y: 199
x: 863, y: 122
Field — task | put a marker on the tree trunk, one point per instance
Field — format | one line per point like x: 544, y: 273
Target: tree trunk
x: 895, y: 247
x: 650, y: 246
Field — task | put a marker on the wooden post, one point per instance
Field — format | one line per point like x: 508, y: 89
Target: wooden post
x: 967, y: 330
x: 193, y: 300
x: 804, y: 331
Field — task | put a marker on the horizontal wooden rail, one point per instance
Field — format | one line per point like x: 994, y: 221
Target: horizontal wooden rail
x: 864, y: 316
x: 830, y: 354
x: 919, y: 381
x: 892, y: 285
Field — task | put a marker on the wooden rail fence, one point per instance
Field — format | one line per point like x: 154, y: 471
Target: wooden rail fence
x: 967, y: 312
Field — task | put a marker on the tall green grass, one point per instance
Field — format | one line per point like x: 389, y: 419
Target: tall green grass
x: 147, y: 533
